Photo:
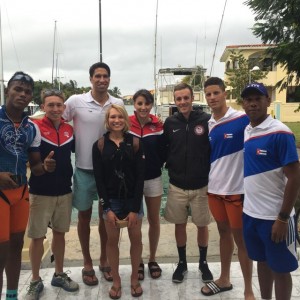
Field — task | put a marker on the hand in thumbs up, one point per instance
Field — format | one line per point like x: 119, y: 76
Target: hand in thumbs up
x: 49, y: 163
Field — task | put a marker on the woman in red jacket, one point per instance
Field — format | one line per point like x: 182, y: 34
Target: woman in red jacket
x: 149, y: 128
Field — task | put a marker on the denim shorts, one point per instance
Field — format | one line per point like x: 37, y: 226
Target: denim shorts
x: 121, y: 210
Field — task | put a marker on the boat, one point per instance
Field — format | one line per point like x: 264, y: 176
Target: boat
x: 167, y: 79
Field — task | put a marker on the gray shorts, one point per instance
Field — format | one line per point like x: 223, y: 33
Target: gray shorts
x: 179, y: 202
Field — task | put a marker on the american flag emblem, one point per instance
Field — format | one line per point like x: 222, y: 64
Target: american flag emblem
x: 261, y: 152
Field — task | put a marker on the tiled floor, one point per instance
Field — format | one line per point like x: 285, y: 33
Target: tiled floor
x: 162, y: 288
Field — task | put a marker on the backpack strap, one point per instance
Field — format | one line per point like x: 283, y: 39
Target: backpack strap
x: 101, y: 144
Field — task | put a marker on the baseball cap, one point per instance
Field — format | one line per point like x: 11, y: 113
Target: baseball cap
x: 256, y: 87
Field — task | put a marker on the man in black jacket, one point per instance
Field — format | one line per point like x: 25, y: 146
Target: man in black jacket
x: 187, y: 161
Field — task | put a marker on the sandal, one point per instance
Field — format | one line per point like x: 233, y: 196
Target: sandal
x: 141, y: 271
x: 106, y: 273
x: 90, y: 274
x: 117, y: 291
x: 134, y: 293
x: 153, y: 267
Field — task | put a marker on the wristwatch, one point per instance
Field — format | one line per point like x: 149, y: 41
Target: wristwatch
x: 283, y: 216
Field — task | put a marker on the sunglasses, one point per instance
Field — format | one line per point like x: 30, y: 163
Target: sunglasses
x: 22, y: 77
x: 52, y: 92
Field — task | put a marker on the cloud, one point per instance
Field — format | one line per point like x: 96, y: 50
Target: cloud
x: 186, y: 33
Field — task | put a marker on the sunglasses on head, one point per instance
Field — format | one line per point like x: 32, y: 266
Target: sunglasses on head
x: 22, y: 77
x: 52, y: 92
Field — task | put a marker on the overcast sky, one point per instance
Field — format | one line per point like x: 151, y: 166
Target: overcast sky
x: 186, y: 34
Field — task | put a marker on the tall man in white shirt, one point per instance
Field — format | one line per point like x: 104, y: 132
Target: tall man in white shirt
x: 88, y: 112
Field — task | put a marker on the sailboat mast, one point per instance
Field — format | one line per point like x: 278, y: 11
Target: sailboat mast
x: 1, y: 65
x: 214, y: 55
x: 155, y: 47
x: 53, y: 52
x: 100, y: 30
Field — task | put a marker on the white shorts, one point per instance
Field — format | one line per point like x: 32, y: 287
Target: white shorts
x: 153, y: 187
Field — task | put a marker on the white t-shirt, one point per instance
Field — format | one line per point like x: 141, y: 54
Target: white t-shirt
x: 88, y: 121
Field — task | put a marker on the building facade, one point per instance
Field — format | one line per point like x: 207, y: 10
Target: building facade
x: 285, y: 102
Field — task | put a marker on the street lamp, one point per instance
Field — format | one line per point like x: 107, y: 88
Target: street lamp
x: 255, y: 68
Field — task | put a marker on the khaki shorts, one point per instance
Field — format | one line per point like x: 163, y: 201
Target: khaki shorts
x: 153, y: 187
x: 179, y: 201
x: 45, y: 209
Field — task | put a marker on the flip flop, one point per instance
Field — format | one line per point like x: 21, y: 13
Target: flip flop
x: 106, y: 273
x: 117, y: 290
x: 90, y: 274
x: 134, y: 293
x: 141, y: 271
x: 153, y: 267
x: 215, y: 289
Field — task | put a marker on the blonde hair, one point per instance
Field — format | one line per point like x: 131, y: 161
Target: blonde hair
x: 120, y: 109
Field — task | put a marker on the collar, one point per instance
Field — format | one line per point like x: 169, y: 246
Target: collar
x: 24, y: 115
x: 263, y: 125
x: 90, y: 98
x: 48, y: 122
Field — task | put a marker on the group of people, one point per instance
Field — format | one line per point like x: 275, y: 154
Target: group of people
x: 240, y: 167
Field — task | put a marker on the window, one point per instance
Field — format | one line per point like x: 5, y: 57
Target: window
x: 293, y: 94
x: 228, y: 65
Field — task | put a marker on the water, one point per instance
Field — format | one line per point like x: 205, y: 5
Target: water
x: 130, y: 110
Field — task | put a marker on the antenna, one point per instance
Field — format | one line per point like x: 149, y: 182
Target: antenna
x: 196, y: 51
x: 212, y: 64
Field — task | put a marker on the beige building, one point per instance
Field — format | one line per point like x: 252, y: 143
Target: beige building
x: 284, y: 102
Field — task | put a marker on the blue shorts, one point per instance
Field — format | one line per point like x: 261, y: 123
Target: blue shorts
x: 84, y: 189
x: 121, y: 210
x: 280, y: 257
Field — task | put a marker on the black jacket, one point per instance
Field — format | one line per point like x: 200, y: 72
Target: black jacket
x: 111, y: 164
x: 187, y: 150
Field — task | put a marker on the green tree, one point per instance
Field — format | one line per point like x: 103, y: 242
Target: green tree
x: 278, y: 23
x: 115, y: 92
x: 239, y: 74
x: 70, y: 88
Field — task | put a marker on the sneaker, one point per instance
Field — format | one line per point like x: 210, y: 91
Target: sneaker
x: 34, y: 289
x: 179, y: 273
x: 65, y: 282
x: 206, y: 274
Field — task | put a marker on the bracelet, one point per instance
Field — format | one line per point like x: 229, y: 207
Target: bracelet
x: 282, y: 221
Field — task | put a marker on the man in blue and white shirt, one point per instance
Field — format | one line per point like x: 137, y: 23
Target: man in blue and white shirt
x: 271, y: 183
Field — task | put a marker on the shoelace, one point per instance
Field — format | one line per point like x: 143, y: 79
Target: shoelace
x: 32, y: 286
